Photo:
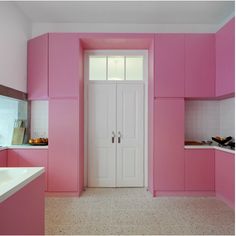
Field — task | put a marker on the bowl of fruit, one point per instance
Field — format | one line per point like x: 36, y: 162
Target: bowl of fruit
x: 38, y: 141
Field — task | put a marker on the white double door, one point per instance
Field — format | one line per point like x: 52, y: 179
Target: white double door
x: 115, y: 135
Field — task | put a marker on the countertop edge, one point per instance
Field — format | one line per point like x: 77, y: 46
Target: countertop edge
x: 209, y: 147
x: 38, y: 171
x: 25, y: 146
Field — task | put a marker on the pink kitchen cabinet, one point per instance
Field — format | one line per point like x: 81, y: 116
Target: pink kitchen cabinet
x: 169, y: 65
x: 200, y: 65
x: 3, y: 158
x: 224, y: 167
x: 225, y: 72
x: 200, y: 170
x: 37, y: 75
x: 29, y: 158
x: 63, y: 145
x: 63, y: 65
x: 169, y: 144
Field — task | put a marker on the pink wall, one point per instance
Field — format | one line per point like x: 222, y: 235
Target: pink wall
x: 23, y: 212
x: 151, y: 73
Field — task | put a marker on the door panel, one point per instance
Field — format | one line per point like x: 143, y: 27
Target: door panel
x: 130, y: 125
x: 102, y: 122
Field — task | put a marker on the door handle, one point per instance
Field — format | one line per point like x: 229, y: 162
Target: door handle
x: 113, y: 137
x: 119, y: 137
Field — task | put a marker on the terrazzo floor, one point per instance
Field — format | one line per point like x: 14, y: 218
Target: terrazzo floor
x: 133, y: 211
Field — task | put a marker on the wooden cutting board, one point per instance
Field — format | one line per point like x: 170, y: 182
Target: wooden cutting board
x: 18, y: 135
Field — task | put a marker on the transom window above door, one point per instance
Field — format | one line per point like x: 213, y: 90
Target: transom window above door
x: 115, y: 67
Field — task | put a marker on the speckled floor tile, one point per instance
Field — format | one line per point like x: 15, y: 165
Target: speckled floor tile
x: 132, y: 211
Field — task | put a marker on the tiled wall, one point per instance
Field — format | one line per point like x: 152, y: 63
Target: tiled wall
x: 9, y: 112
x: 204, y: 119
x: 227, y: 117
x: 39, y: 119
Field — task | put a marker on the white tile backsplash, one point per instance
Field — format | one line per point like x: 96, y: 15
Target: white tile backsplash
x: 204, y: 119
x: 39, y: 119
x: 227, y: 117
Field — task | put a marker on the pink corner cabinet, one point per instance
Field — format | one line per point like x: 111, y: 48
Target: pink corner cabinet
x: 225, y: 47
x: 37, y: 68
x: 169, y: 144
x: 63, y: 65
x: 225, y: 176
x: 200, y: 65
x: 29, y: 158
x: 169, y: 65
x: 63, y: 145
x: 3, y: 158
x: 200, y: 170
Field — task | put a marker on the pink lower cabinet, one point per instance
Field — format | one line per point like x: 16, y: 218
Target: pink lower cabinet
x: 63, y: 145
x: 200, y: 170
x: 3, y: 158
x: 29, y: 158
x: 169, y: 144
x: 225, y: 187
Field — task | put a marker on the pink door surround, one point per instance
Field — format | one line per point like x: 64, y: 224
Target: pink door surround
x: 169, y: 65
x: 200, y: 170
x: 37, y: 68
x: 225, y: 48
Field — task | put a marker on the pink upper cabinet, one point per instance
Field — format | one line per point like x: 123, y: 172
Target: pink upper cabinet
x: 225, y: 40
x: 63, y: 65
x: 200, y: 65
x: 63, y: 145
x: 38, y: 68
x: 169, y: 65
x: 200, y: 170
x: 169, y: 144
x: 225, y: 176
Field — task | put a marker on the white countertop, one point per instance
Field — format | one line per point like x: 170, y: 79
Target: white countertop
x: 14, y: 179
x: 209, y: 147
x: 23, y: 146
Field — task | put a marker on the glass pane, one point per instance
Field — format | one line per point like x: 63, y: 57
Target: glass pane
x: 134, y: 68
x: 97, y: 68
x: 116, y: 68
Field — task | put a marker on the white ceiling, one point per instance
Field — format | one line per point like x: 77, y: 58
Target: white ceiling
x: 133, y: 12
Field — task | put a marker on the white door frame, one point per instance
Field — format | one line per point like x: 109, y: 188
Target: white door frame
x: 86, y: 83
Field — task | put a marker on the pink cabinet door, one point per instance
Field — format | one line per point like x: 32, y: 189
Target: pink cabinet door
x: 169, y: 65
x: 225, y: 72
x: 38, y: 68
x: 3, y: 158
x: 63, y: 65
x: 30, y: 158
x: 12, y: 158
x: 224, y: 167
x: 200, y: 170
x: 63, y: 145
x: 169, y: 144
x: 200, y: 65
